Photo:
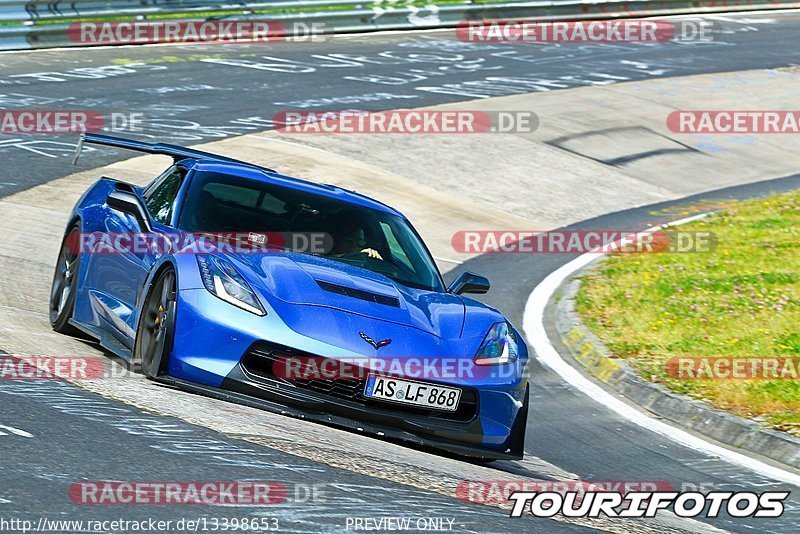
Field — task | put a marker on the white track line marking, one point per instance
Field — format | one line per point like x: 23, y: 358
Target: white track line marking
x: 457, y: 262
x: 15, y: 431
x: 533, y: 325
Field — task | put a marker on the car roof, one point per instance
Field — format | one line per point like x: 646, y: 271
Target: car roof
x: 253, y: 172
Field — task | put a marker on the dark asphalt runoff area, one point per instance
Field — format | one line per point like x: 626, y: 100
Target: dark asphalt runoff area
x: 80, y: 437
x: 191, y: 94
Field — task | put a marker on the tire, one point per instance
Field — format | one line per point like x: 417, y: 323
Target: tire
x: 62, y: 292
x: 156, y: 330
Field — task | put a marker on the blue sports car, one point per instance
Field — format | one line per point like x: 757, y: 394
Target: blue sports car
x: 234, y: 281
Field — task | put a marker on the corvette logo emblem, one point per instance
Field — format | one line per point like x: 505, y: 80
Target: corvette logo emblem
x: 376, y: 344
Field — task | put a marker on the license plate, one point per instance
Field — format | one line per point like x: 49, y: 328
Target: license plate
x: 413, y: 393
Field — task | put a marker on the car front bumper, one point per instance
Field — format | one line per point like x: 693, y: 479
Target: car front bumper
x: 213, y: 338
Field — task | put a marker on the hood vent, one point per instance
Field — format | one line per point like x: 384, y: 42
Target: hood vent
x: 359, y: 294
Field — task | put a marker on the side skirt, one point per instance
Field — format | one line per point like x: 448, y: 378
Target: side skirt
x: 106, y: 340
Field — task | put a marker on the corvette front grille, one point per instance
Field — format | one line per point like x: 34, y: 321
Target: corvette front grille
x: 259, y: 362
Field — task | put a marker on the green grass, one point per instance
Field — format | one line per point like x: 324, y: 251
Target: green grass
x: 742, y: 299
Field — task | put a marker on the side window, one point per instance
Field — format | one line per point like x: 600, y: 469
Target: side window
x: 231, y: 194
x: 394, y: 246
x: 160, y: 197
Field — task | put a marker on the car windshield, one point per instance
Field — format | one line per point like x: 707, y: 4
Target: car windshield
x: 368, y: 238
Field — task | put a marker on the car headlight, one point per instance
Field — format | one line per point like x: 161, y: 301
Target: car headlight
x: 224, y: 282
x: 498, y: 347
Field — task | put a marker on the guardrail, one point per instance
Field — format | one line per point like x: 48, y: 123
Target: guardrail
x: 44, y: 24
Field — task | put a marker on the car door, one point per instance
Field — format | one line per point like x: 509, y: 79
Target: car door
x: 123, y: 272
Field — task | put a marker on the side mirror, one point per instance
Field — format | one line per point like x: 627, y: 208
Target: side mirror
x: 129, y: 203
x: 469, y: 283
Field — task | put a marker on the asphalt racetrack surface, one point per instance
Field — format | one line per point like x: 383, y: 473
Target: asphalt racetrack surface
x: 197, y: 93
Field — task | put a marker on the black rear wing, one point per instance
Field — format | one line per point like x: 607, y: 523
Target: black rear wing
x: 176, y: 152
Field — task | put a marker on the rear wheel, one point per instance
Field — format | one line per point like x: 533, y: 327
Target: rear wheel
x: 62, y: 293
x: 157, y: 326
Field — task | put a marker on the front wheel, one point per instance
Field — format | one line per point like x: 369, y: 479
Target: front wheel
x: 156, y: 329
